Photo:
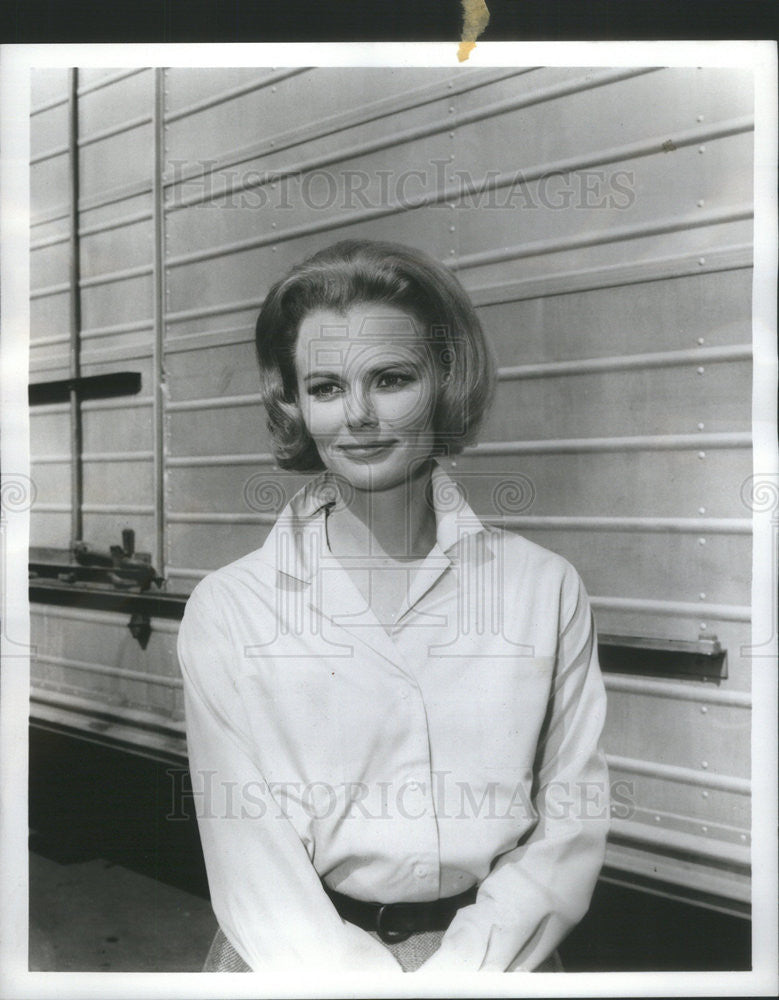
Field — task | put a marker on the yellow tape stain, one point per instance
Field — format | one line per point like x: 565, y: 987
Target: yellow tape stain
x: 476, y: 17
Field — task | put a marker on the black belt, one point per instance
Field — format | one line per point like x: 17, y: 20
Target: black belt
x: 398, y: 921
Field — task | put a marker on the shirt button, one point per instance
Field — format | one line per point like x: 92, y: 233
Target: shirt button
x: 421, y: 871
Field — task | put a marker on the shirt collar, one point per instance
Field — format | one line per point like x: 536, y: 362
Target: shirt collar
x: 297, y: 542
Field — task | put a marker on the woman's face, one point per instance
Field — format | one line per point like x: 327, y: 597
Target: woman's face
x: 367, y: 389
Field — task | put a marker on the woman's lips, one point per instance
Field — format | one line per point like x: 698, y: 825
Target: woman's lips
x: 366, y: 449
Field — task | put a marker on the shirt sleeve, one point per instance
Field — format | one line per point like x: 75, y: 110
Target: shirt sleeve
x: 265, y: 892
x: 538, y: 891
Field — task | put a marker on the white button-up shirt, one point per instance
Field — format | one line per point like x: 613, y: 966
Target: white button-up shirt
x: 458, y: 746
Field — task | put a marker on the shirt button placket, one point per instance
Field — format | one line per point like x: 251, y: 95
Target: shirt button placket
x: 419, y: 785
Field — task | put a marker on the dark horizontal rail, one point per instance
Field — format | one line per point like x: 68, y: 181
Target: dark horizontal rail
x: 86, y: 387
x: 152, y: 603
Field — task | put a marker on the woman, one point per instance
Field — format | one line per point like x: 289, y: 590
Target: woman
x: 393, y: 710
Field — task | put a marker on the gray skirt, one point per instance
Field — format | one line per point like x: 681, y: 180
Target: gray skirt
x: 411, y: 953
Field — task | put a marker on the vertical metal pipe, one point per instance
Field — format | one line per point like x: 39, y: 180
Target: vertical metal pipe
x: 76, y: 431
x: 158, y: 209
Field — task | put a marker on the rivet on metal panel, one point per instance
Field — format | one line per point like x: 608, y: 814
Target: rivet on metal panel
x: 701, y: 541
x: 704, y: 710
x: 452, y: 252
x: 451, y: 157
x: 657, y: 819
x: 703, y: 626
x: 450, y: 85
x: 451, y: 135
x: 273, y: 90
x: 273, y: 225
x: 452, y: 229
x: 273, y: 142
x: 701, y: 454
x: 699, y: 118
x: 742, y: 836
x: 704, y: 795
x: 701, y: 149
x: 701, y: 340
x: 273, y: 249
x: 701, y: 261
x: 704, y: 829
x: 700, y: 369
x: 451, y: 109
x: 700, y: 203
x: 702, y: 595
x: 701, y: 425
x: 454, y: 464
x: 704, y: 764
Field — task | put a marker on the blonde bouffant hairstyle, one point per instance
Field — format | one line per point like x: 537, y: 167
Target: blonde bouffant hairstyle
x: 356, y: 272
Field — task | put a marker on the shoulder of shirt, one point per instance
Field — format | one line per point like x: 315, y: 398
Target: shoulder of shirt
x: 529, y: 555
x: 252, y: 570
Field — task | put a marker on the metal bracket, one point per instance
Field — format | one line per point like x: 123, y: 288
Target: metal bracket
x: 140, y: 629
x: 702, y: 658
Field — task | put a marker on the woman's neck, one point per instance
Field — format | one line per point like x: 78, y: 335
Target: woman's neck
x: 397, y: 523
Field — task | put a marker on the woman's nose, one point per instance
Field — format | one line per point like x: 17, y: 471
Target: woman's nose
x: 359, y: 409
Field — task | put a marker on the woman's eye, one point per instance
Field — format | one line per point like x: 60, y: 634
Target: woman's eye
x: 394, y: 380
x: 324, y: 390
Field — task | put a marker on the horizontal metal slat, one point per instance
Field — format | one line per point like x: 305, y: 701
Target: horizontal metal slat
x: 87, y: 457
x: 678, y: 691
x: 361, y: 115
x: 453, y: 193
x: 425, y: 131
x: 232, y: 92
x: 121, y: 673
x: 95, y: 508
x: 556, y: 283
x: 673, y: 609
x: 682, y: 775
x: 194, y: 461
x: 676, y: 841
x: 649, y: 442
x: 614, y: 234
x: 213, y: 517
x: 653, y: 525
x: 628, y: 362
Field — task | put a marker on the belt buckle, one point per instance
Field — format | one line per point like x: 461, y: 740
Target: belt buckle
x: 386, y: 934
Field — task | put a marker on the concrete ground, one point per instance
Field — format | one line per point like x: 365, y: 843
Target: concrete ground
x: 96, y: 916
x: 117, y: 881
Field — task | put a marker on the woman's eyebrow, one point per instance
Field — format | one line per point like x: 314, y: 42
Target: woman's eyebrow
x: 374, y: 369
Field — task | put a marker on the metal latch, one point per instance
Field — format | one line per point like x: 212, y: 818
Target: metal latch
x: 121, y: 565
